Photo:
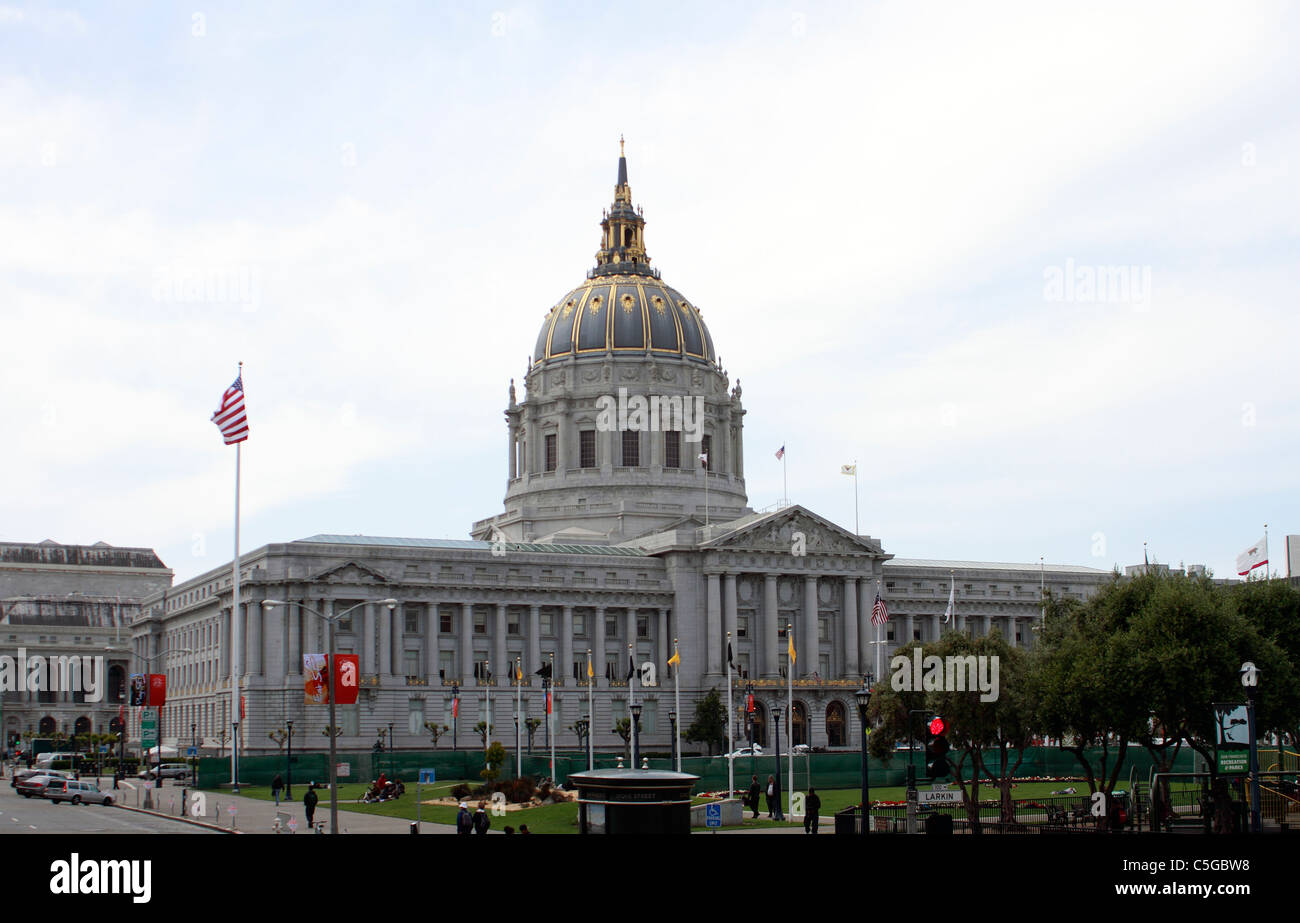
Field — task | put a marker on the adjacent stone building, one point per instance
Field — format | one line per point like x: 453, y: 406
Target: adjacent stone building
x: 627, y: 535
x: 71, y: 600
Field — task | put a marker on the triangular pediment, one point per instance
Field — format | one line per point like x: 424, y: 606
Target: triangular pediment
x: 351, y: 572
x: 791, y: 527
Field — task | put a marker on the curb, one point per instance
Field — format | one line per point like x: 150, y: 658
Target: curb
x: 183, y: 820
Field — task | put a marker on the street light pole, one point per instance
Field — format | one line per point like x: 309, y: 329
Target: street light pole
x: 863, y: 696
x: 288, y: 768
x: 333, y: 725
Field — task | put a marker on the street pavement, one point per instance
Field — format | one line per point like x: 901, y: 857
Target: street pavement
x: 19, y: 815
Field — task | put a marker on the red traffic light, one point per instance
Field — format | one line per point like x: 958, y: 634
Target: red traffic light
x: 937, y: 726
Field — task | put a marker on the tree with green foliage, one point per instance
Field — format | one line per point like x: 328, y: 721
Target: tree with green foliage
x: 496, y: 755
x: 623, y: 728
x: 532, y: 724
x: 710, y: 724
x: 436, y: 731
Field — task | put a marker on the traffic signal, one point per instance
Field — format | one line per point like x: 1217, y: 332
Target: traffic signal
x: 936, y: 748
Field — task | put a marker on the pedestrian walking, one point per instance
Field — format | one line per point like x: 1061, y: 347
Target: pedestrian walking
x: 753, y: 796
x: 481, y: 822
x: 276, y: 785
x: 812, y: 811
x: 309, y: 803
x: 464, y: 822
x: 773, y: 792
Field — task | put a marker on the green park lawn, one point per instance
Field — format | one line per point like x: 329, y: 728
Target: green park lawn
x: 550, y: 818
x: 563, y: 818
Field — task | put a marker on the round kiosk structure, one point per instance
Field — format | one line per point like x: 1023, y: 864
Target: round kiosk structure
x: 633, y: 801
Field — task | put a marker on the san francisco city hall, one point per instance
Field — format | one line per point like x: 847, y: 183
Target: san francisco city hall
x: 604, y: 541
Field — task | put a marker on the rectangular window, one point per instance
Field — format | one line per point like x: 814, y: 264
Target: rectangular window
x: 546, y: 623
x: 889, y: 635
x: 916, y: 634
x: 579, y: 625
x: 672, y: 449
x: 618, y: 710
x: 706, y: 449
x: 587, y: 448
x: 611, y: 626
x: 412, y: 620
x: 411, y: 663
x: 742, y: 626
x: 649, y: 717
x: 512, y: 622
x: 415, y: 717
x: 580, y: 670
x: 349, y: 719
x: 446, y: 666
x: 824, y: 665
x: 612, y: 671
x: 345, y: 623
x: 743, y: 660
x: 444, y: 624
x: 823, y: 629
x: 480, y: 623
x: 631, y: 448
x: 550, y: 452
x: 643, y: 626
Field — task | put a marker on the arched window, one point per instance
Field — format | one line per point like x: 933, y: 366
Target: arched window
x: 47, y: 726
x: 82, y: 726
x: 835, y: 724
x: 116, y: 683
x: 799, y: 733
x: 760, y: 724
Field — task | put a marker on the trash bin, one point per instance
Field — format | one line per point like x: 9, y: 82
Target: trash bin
x: 844, y: 820
x: 415, y: 828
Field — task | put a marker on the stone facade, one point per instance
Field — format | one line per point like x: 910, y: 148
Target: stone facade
x: 71, y: 600
x: 615, y: 540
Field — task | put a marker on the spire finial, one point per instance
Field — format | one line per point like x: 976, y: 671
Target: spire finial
x: 620, y: 145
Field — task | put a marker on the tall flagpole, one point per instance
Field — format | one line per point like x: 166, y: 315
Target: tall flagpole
x: 1266, y: 566
x: 789, y: 792
x: 731, y: 737
x: 677, y: 706
x: 236, y: 629
x: 591, y: 713
x: 550, y: 711
x: 519, y: 701
x: 785, y: 484
x: 631, y: 700
x: 877, y: 624
x: 855, y: 497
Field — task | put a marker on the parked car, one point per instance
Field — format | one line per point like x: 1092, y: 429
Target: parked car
x: 34, y: 786
x: 745, y: 751
x: 22, y: 774
x: 169, y: 771
x: 77, y: 792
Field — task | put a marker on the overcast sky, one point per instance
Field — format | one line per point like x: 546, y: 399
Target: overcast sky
x: 888, y: 215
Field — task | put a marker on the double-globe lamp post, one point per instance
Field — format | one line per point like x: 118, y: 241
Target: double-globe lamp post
x: 329, y: 666
x: 863, y: 696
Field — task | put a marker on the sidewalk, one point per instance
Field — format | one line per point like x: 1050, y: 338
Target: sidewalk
x: 253, y: 815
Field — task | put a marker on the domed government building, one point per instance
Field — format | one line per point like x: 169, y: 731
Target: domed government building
x: 626, y: 523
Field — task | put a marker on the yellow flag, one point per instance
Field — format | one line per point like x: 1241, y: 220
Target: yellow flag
x: 790, y: 634
x: 590, y: 673
x: 675, y: 659
x: 519, y: 673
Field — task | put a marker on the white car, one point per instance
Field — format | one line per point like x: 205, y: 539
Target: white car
x: 757, y: 750
x: 801, y: 749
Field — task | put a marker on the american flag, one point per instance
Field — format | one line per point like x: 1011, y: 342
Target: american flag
x: 230, y: 416
x: 780, y: 453
x: 879, y: 612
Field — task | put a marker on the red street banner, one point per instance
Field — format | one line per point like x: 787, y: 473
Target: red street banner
x: 157, y: 690
x: 242, y: 710
x: 749, y: 703
x: 346, y: 672
x: 316, y: 691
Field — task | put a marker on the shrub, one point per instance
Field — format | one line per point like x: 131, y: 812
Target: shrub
x: 461, y: 792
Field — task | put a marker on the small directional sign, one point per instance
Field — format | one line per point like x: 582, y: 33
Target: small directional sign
x: 713, y: 814
x: 427, y: 777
